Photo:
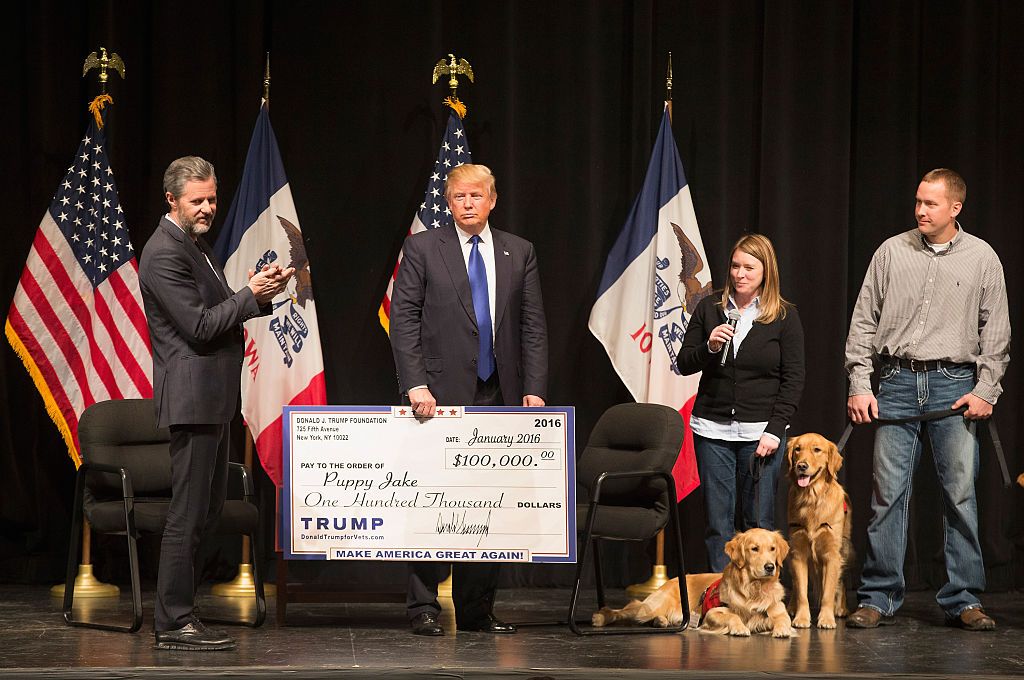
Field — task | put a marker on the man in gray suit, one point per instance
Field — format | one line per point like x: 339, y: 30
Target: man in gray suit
x: 467, y: 328
x: 195, y: 329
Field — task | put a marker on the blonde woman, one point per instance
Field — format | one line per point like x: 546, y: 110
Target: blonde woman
x: 752, y: 376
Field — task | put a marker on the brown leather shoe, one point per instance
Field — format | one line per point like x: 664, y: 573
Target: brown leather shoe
x: 974, y: 618
x: 868, y: 617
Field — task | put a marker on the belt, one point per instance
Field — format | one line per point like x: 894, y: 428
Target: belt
x: 920, y: 365
x: 997, y: 445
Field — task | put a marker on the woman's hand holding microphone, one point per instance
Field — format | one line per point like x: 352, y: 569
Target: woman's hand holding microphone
x: 720, y: 335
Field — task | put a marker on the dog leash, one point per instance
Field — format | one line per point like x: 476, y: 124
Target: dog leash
x: 993, y: 433
x: 756, y: 470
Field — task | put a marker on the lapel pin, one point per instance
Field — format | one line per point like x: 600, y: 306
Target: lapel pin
x: 506, y: 252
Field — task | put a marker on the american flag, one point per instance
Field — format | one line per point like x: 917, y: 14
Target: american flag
x: 433, y: 210
x: 77, y: 320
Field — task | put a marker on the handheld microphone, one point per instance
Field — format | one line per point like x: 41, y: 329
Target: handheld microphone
x: 734, y: 318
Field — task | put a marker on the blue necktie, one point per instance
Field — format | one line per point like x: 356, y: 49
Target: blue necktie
x: 482, y: 307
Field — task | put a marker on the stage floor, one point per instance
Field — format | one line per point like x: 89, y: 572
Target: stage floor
x: 373, y: 641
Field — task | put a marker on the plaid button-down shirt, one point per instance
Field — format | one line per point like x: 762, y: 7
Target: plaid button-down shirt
x: 919, y: 304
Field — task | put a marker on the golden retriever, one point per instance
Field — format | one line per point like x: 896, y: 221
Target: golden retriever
x: 819, y: 528
x: 662, y: 607
x: 749, y: 592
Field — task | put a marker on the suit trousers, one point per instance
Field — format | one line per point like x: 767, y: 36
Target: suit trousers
x: 199, y: 475
x: 473, y: 583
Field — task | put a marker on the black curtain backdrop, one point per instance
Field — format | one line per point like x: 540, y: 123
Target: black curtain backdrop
x: 809, y: 121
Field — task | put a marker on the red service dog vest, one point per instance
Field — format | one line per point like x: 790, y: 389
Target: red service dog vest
x: 710, y: 599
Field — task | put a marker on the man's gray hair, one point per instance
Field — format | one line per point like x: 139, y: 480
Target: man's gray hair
x: 187, y: 169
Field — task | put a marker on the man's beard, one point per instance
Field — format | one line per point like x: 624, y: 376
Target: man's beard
x: 193, y: 228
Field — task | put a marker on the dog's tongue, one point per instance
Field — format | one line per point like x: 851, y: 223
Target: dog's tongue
x: 803, y: 481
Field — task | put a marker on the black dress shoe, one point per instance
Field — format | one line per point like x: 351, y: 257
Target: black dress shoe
x: 210, y: 631
x: 193, y: 637
x: 489, y: 624
x: 426, y: 624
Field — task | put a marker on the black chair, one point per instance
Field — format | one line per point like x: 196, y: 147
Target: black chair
x: 123, y: 487
x: 626, y: 470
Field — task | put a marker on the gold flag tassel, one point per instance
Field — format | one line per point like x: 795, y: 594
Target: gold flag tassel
x: 96, y: 108
x: 455, y: 105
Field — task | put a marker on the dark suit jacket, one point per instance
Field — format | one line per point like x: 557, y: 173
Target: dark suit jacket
x: 433, y: 326
x: 194, y: 327
x: 763, y: 382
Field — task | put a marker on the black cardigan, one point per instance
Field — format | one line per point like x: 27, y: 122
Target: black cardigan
x: 763, y: 381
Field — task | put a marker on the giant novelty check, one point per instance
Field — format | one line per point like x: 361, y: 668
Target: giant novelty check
x: 474, y: 483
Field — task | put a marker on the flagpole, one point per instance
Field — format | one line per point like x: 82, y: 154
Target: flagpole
x: 659, y: 572
x: 244, y: 585
x: 86, y: 583
x: 451, y: 69
x: 266, y: 81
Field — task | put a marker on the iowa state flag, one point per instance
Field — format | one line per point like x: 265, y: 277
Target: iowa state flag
x: 283, y: 362
x: 655, y: 275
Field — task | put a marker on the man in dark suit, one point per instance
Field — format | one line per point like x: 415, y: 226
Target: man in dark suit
x: 195, y: 329
x: 467, y: 328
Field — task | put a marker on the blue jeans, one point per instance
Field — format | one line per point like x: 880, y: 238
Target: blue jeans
x: 721, y: 464
x: 903, y: 393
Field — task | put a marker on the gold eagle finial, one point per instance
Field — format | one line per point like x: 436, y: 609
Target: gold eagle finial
x: 103, y: 62
x: 453, y: 69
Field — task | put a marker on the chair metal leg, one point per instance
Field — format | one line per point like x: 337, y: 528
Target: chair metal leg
x: 574, y: 599
x: 257, y: 577
x: 255, y: 551
x: 587, y: 540
x: 673, y: 519
x: 598, y: 577
x: 255, y: 554
x: 133, y: 551
x: 74, y: 543
x: 133, y: 561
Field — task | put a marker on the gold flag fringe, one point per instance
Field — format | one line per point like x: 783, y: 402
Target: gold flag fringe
x: 44, y: 391
x: 96, y: 108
